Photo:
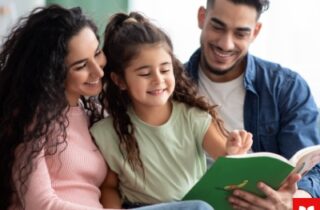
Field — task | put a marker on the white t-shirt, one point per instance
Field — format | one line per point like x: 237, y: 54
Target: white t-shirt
x: 229, y: 96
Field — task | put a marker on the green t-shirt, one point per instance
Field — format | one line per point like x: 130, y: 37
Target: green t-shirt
x: 172, y: 154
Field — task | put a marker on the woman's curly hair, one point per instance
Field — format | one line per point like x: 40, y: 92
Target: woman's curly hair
x: 32, y: 91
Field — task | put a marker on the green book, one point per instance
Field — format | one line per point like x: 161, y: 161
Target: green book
x: 245, y: 171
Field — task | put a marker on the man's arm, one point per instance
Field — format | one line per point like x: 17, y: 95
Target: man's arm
x: 310, y: 182
x: 299, y: 127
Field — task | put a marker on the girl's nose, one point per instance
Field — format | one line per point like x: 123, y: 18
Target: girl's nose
x: 158, y: 77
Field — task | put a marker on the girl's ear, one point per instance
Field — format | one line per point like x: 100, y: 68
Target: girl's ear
x: 118, y: 81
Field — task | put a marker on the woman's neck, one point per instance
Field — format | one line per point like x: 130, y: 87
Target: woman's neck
x: 154, y: 115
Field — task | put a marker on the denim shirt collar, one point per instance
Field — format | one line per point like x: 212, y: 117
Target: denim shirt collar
x: 250, y: 73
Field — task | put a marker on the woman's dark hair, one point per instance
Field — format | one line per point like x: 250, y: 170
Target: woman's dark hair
x: 124, y: 37
x: 32, y: 91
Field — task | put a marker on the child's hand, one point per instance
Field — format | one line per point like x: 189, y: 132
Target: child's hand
x: 239, y: 142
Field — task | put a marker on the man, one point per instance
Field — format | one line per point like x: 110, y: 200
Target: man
x: 272, y: 102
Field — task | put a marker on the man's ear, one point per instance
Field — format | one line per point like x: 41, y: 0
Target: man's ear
x: 256, y: 30
x: 118, y: 81
x: 201, y: 17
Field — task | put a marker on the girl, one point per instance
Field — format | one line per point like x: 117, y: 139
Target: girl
x: 48, y: 159
x: 155, y: 137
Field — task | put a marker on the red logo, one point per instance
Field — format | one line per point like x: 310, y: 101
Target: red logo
x: 306, y: 204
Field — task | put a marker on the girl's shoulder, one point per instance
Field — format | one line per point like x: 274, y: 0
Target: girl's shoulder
x: 102, y: 125
x: 185, y: 109
x: 103, y: 130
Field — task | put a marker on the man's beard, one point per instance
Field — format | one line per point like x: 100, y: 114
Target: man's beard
x: 220, y: 72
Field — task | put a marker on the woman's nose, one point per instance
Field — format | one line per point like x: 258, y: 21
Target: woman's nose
x: 98, y: 65
x: 97, y: 69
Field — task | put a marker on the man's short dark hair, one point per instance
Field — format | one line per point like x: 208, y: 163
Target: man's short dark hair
x: 259, y: 5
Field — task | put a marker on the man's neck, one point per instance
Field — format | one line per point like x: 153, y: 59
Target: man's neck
x: 235, y: 72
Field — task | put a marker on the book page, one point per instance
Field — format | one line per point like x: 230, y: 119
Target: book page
x: 294, y: 159
x: 306, y: 161
x: 262, y: 154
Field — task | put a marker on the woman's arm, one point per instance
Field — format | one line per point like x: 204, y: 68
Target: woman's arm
x: 41, y: 195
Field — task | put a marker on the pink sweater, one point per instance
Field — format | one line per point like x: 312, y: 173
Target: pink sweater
x: 69, y: 180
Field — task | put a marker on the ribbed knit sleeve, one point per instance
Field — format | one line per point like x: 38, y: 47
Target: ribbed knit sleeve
x: 40, y: 194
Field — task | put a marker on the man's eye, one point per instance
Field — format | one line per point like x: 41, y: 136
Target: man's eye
x: 217, y: 28
x: 241, y: 35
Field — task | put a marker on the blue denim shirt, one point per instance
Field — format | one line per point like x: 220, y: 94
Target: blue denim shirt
x: 279, y: 111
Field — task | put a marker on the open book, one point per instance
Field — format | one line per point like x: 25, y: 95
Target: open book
x: 245, y: 171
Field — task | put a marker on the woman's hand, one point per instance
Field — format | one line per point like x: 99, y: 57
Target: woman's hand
x: 239, y: 142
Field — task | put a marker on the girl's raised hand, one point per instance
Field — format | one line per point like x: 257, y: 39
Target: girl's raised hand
x: 239, y: 142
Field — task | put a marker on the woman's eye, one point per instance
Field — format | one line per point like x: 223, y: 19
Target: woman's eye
x: 98, y: 53
x: 81, y: 66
